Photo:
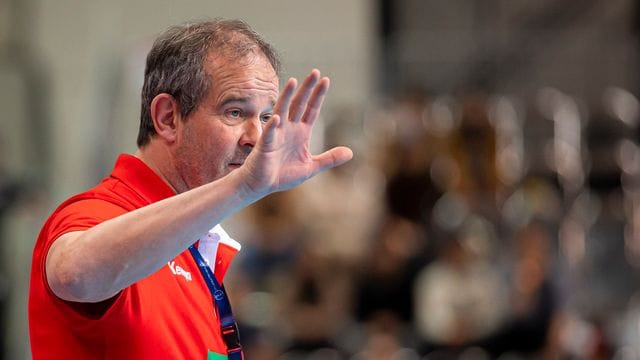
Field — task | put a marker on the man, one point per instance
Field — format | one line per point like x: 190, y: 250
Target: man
x: 114, y: 272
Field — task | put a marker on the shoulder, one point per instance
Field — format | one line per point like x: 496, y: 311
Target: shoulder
x: 79, y: 215
x: 105, y: 201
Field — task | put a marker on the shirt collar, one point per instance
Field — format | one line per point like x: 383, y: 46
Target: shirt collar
x: 141, y: 178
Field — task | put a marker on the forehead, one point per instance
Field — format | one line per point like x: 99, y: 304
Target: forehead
x: 248, y: 76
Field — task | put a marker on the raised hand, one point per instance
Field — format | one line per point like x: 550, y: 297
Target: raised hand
x: 281, y: 158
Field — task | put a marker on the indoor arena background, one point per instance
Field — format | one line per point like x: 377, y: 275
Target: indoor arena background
x: 492, y: 209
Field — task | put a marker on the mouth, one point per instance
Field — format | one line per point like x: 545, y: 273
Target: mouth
x: 237, y: 160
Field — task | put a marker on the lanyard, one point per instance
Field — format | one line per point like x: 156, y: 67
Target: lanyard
x: 228, y: 325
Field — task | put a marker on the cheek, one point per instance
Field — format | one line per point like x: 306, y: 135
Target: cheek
x: 194, y: 148
x: 200, y: 138
x: 219, y: 148
x: 211, y: 144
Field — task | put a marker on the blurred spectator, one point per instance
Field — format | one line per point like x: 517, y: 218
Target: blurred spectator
x: 459, y: 297
x: 274, y: 239
x: 345, y: 203
x: 533, y: 303
x: 410, y: 190
x: 384, y: 344
x: 386, y: 277
x: 473, y: 147
x: 314, y: 305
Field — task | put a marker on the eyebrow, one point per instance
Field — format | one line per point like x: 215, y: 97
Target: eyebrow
x: 234, y: 99
x: 240, y: 99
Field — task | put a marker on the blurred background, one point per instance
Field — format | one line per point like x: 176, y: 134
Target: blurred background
x: 492, y: 209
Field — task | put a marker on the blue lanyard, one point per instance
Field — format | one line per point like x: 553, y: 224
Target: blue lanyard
x: 228, y: 325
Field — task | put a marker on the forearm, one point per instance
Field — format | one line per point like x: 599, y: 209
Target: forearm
x: 96, y: 264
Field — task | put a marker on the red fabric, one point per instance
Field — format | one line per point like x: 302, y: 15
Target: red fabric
x: 168, y: 315
x: 224, y: 256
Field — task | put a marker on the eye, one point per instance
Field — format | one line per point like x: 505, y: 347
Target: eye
x: 234, y: 113
x: 266, y: 117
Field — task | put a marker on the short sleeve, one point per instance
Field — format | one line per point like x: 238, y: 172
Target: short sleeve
x: 81, y: 215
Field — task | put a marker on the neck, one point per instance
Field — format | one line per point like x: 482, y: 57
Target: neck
x: 160, y: 161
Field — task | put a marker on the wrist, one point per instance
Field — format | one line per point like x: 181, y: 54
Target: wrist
x: 247, y: 185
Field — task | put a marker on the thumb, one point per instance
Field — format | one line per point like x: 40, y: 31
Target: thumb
x: 332, y: 158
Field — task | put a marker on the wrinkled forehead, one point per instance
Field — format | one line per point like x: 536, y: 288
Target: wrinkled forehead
x: 251, y: 76
x: 251, y: 64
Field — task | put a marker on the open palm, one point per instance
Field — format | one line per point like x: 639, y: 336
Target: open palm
x: 281, y: 158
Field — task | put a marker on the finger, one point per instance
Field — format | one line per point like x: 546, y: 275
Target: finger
x: 299, y: 102
x: 316, y: 100
x: 332, y: 158
x: 284, y: 100
x: 269, y: 131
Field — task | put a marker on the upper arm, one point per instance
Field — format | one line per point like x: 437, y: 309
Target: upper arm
x: 66, y: 227
x: 59, y: 277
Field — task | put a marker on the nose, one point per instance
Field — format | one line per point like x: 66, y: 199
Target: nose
x: 251, y: 132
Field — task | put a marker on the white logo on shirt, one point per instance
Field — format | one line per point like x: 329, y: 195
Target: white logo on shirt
x: 178, y: 270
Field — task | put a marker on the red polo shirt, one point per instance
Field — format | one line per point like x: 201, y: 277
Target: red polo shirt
x: 167, y: 315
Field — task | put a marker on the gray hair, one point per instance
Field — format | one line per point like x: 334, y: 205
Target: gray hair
x: 175, y: 63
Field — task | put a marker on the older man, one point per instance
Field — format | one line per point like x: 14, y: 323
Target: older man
x: 132, y: 268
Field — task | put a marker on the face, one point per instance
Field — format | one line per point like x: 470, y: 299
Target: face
x: 220, y: 133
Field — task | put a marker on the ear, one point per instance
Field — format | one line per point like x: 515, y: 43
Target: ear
x: 165, y: 114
